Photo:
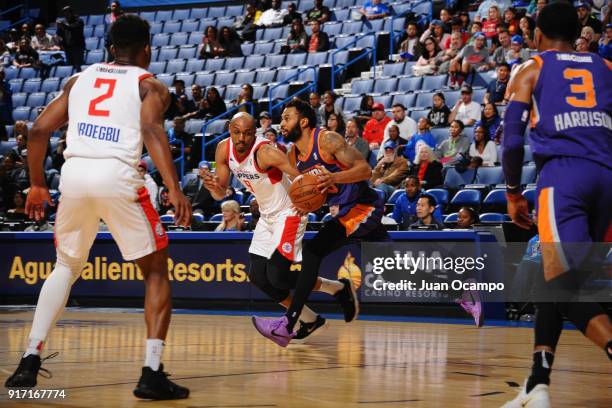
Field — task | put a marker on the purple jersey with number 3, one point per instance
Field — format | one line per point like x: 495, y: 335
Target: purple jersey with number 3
x: 572, y: 101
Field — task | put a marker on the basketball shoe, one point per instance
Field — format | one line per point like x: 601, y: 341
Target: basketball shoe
x: 275, y: 330
x: 155, y: 385
x: 347, y: 297
x: 308, y: 331
x: 27, y: 371
x: 538, y: 397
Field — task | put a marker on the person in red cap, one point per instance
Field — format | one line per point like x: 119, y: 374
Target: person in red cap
x: 374, y: 130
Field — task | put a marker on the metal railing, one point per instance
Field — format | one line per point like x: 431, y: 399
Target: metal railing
x: 366, y: 53
x: 394, y: 34
x: 22, y: 20
x: 224, y: 115
x: 310, y: 86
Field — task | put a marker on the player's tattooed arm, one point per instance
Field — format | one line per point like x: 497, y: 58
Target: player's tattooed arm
x: 334, y: 148
x: 217, y: 183
x: 269, y: 156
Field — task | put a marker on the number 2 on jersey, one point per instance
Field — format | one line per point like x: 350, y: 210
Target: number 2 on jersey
x: 93, y: 110
x: 585, y: 88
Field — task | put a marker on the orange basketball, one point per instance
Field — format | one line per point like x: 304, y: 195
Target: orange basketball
x: 304, y: 193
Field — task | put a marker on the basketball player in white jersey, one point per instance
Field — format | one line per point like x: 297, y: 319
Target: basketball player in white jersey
x: 111, y: 109
x: 277, y: 241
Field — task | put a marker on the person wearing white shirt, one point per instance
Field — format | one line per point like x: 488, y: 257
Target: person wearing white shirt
x: 483, y: 9
x: 274, y: 16
x: 483, y: 147
x: 407, y: 126
x: 150, y: 184
x: 465, y: 110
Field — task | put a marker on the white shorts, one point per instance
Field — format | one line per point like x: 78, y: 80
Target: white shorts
x: 284, y: 232
x: 107, y: 190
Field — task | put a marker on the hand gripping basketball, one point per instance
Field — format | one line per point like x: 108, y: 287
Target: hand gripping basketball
x: 305, y: 194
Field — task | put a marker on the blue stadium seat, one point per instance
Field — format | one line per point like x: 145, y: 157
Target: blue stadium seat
x: 284, y: 73
x: 181, y: 14
x: 343, y: 40
x: 87, y: 31
x: 204, y: 79
x: 373, y: 25
x: 327, y: 217
x: 264, y: 76
x: 440, y: 134
x: 31, y: 85
x: 50, y: 85
x: 263, y: 47
x: 384, y: 99
x: 384, y: 85
x: 187, y: 52
x: 271, y: 34
x: 434, y: 82
x: 216, y: 12
x: 179, y: 39
x: 254, y: 61
x: 190, y: 26
x: 406, y: 84
x: 198, y: 13
x: 186, y: 77
x: 451, y: 218
x: 214, y: 65
x: 94, y: 57
x: 163, y: 15
x: 275, y: 61
x: 19, y: 99
x: 232, y: 91
x: 452, y: 97
x: 217, y: 127
x: 147, y: 15
x: 478, y: 95
x: 91, y: 43
x: 489, y: 175
x: 244, y: 76
x: 468, y: 197
x: 280, y: 92
x: 165, y: 78
x: 440, y: 194
x: 424, y: 99
x: 529, y: 174
x: 417, y: 113
x: 21, y: 113
x: 216, y: 218
x: 167, y: 218
x: 492, y: 218
x: 395, y: 69
x: 406, y: 99
x: 174, y: 66
x: 36, y: 99
x: 62, y: 71
x: 156, y: 28
x: 27, y: 73
x: 99, y: 31
x: 50, y: 97
x: 361, y: 86
x: 160, y: 40
x: 247, y: 48
x: 332, y: 28
x: 6, y: 146
x: 55, y: 181
x: 194, y: 65
x: 295, y: 60
x: 95, y: 19
x: 396, y: 194
x: 167, y: 53
x: 195, y: 38
x: 171, y: 27
x: 234, y: 63
x: 260, y: 91
x: 316, y: 58
x: 495, y: 198
x: 157, y: 67
x: 530, y: 195
x: 352, y: 103
x: 352, y: 27
x: 454, y: 179
x: 194, y: 126
x: 224, y: 77
x: 63, y: 82
x: 234, y: 11
x: 528, y: 157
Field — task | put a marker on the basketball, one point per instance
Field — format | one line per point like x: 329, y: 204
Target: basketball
x: 305, y: 195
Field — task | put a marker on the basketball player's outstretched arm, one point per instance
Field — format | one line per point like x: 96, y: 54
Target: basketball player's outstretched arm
x: 334, y: 147
x: 155, y: 100
x: 52, y: 118
x: 217, y: 183
x: 515, y: 122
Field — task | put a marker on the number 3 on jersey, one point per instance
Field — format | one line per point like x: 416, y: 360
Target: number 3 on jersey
x: 585, y: 88
x: 93, y: 110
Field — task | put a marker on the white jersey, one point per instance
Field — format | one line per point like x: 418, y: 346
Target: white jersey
x: 270, y: 188
x: 104, y: 114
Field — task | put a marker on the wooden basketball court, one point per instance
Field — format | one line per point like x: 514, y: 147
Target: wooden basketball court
x: 226, y: 363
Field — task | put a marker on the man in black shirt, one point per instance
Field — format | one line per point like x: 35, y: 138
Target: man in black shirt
x: 424, y: 211
x: 319, y: 12
x: 496, y: 90
x: 201, y: 200
x: 70, y: 30
x: 292, y: 14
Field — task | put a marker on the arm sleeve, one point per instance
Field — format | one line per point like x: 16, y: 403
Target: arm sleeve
x: 515, y: 123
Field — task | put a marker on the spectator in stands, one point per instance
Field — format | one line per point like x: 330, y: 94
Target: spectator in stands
x: 426, y: 168
x: 404, y: 211
x: 483, y: 9
x: 181, y: 139
x: 115, y: 13
x: 265, y: 123
x: 427, y: 62
x: 201, y: 200
x: 374, y: 130
x: 329, y: 107
x: 446, y: 18
x: 334, y: 210
x: 22, y: 174
x: 18, y: 207
x: 517, y: 54
x: 585, y: 18
x: 465, y: 110
x: 510, y: 22
x: 453, y: 149
x: 13, y: 40
x: 255, y: 215
x: 272, y: 136
x: 467, y: 217
x: 247, y: 24
x: 406, y: 125
x: 374, y: 9
x: 245, y: 96
x: 233, y: 220
x: 292, y: 14
x: 473, y: 57
x: 210, y: 47
x: 490, y: 24
x: 352, y: 137
x: 318, y: 40
x: 496, y: 90
x: 229, y: 43
x: 177, y: 104
x: 365, y: 110
x: 464, y: 16
x: 318, y: 13
x: 443, y: 60
x: 588, y: 33
x: 527, y: 26
x: 70, y: 30
x: 6, y: 105
x: 474, y: 29
x: 22, y: 143
x: 499, y: 55
x: 390, y: 170
x: 409, y: 48
x: 582, y: 45
x: 456, y: 27
x: 393, y: 134
x: 165, y: 207
x: 425, y: 207
x: 196, y: 94
x: 149, y: 183
x: 26, y: 30
x: 315, y: 103
x: 422, y: 136
x: 435, y: 31
x: 297, y: 41
x: 605, y: 44
x: 335, y: 123
x: 6, y: 58
x: 535, y: 7
x: 43, y: 41
x: 439, y: 113
x: 26, y: 56
x: 209, y: 107
x: 273, y: 17
x: 57, y: 155
x: 490, y: 119
x: 483, y: 147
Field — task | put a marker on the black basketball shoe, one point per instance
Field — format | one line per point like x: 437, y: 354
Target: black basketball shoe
x: 347, y: 297
x: 155, y: 385
x: 309, y: 330
x: 27, y: 371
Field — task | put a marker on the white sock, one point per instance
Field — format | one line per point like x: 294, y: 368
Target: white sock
x: 330, y: 286
x: 35, y: 347
x: 308, y: 315
x: 155, y: 348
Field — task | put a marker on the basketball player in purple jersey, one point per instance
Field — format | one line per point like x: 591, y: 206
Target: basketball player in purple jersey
x: 569, y: 96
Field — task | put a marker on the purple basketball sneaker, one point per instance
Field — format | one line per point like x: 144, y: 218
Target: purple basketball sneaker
x: 275, y: 330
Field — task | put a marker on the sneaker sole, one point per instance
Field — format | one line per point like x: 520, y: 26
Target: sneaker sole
x: 312, y: 335
x: 149, y: 396
x: 355, y: 300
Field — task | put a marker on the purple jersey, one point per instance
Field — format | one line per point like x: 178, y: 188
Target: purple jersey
x: 572, y: 101
x: 343, y: 195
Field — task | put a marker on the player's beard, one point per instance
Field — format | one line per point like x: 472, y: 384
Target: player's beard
x: 294, y: 134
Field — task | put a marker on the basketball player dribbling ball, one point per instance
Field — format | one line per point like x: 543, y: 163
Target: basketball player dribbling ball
x: 111, y: 109
x: 277, y: 241
x: 343, y: 174
x: 569, y: 95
